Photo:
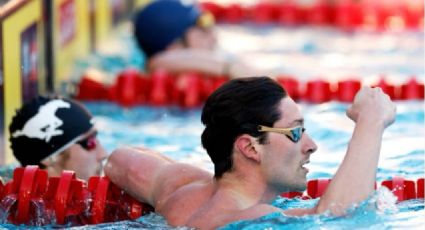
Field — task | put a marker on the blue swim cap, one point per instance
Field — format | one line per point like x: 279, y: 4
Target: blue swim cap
x: 161, y: 22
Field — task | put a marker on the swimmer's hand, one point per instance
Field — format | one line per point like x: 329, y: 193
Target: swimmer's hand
x: 374, y: 105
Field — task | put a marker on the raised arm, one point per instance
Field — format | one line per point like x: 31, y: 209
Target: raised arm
x: 148, y: 175
x: 372, y: 111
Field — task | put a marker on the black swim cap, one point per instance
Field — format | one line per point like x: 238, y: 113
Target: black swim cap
x: 161, y: 22
x: 46, y: 126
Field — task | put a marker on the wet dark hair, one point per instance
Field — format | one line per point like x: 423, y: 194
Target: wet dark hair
x: 237, y: 108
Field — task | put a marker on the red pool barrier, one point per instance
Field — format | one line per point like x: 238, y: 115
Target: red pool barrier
x: 387, y: 88
x: 319, y: 13
x: 292, y: 195
x: 413, y: 14
x: 160, y: 87
x: 316, y: 188
x: 401, y: 188
x: 289, y: 14
x: 347, y: 90
x: 99, y: 188
x: 348, y: 15
x: 127, y: 89
x: 420, y: 188
x: 90, y: 89
x: 291, y: 86
x: 32, y: 186
x: 233, y: 13
x: 263, y: 12
x: 345, y: 14
x: 318, y: 91
x: 412, y: 90
x: 34, y: 199
x: 74, y: 203
x: 187, y: 90
x: 215, y: 9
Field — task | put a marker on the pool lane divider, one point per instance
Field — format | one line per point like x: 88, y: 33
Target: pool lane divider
x: 31, y: 198
x: 346, y: 15
x: 191, y: 89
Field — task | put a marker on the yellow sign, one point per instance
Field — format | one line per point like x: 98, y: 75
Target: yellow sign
x: 71, y: 36
x: 13, y: 25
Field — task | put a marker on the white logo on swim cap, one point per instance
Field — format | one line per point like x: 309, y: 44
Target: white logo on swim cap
x: 43, y: 125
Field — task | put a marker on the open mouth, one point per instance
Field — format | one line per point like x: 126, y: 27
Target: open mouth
x: 304, y: 164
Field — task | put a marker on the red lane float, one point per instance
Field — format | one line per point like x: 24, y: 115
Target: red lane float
x: 387, y: 88
x: 316, y: 188
x: 191, y: 89
x: 263, y: 12
x: 161, y: 81
x: 233, y: 13
x: 288, y: 14
x: 131, y: 88
x: 345, y: 14
x: 420, y: 188
x: 291, y: 86
x: 348, y: 15
x: 402, y: 189
x: 31, y: 198
x: 291, y: 195
x: 412, y: 90
x: 318, y: 91
x: 319, y: 14
x: 90, y: 89
x: 215, y: 9
x: 347, y: 90
x: 187, y: 90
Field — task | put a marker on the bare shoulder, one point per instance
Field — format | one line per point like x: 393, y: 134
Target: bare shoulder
x: 182, y: 173
x: 177, y: 175
x: 149, y: 175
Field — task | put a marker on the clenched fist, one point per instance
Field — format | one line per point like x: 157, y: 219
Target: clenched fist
x: 374, y: 105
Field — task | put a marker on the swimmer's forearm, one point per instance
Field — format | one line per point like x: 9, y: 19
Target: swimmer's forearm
x: 355, y: 179
x: 187, y: 60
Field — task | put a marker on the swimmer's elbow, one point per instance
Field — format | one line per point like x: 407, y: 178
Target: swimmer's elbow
x: 116, y: 166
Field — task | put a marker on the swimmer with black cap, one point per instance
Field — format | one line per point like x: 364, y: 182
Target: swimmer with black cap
x: 56, y: 134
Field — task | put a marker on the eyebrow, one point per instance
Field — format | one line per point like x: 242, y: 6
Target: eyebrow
x: 298, y: 122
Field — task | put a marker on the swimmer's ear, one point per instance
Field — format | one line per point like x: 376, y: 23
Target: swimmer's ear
x: 246, y: 145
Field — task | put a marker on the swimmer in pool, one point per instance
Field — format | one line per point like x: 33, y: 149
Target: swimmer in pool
x: 255, y: 136
x: 178, y: 37
x: 56, y: 134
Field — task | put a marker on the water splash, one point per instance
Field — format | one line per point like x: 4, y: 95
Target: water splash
x: 381, y: 211
x: 39, y: 215
x: 385, y: 201
x: 6, y: 205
